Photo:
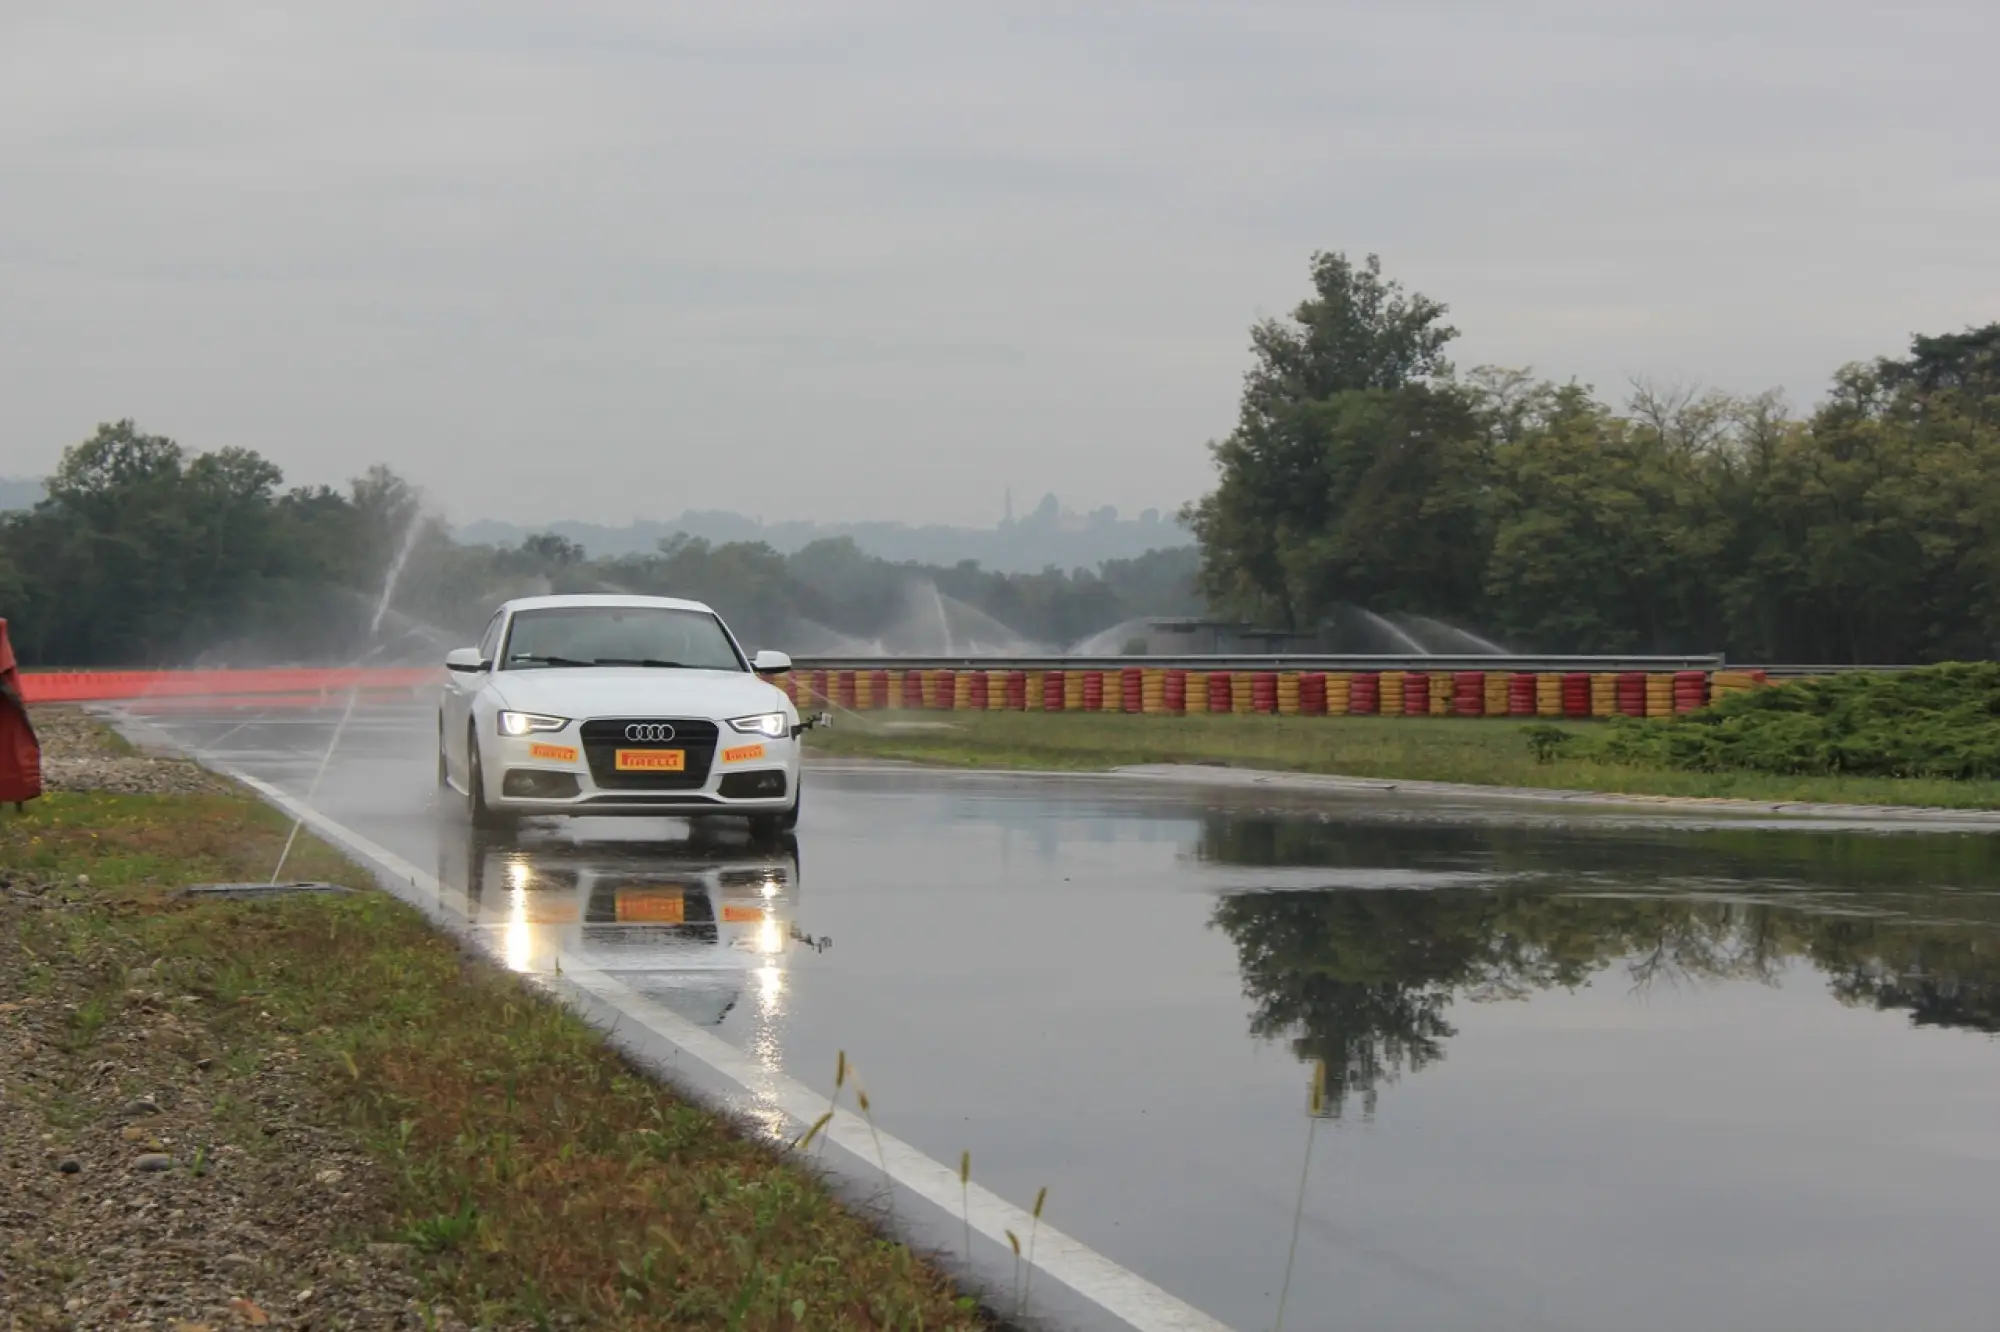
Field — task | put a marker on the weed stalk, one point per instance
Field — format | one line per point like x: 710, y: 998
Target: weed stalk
x: 1028, y: 1280
x: 965, y: 1201
x: 1315, y: 1104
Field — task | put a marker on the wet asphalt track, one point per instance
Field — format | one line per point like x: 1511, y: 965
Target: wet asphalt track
x: 1113, y: 989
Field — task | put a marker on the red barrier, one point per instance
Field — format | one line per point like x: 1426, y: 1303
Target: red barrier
x: 1312, y: 694
x: 1690, y: 691
x: 1364, y: 694
x: 1052, y: 691
x: 1468, y: 693
x: 1264, y: 691
x: 1093, y: 691
x: 1632, y: 693
x: 1521, y: 694
x: 1132, y: 689
x: 1173, y: 692
x: 977, y: 697
x: 947, y: 691
x: 1221, y: 692
x: 1576, y: 694
x: 1416, y: 694
x: 105, y: 686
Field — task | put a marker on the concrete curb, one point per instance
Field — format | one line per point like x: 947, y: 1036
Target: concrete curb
x: 1805, y: 811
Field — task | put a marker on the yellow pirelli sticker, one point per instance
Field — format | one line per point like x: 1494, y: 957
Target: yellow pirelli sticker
x: 553, y: 753
x: 742, y: 753
x: 650, y: 906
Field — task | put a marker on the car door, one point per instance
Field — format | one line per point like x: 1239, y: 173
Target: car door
x: 461, y: 687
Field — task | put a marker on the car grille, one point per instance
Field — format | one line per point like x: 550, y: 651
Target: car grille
x: 603, y: 737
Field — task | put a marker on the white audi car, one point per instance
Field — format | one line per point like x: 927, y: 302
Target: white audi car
x: 617, y: 705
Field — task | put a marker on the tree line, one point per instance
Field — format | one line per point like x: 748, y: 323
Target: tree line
x: 1364, y: 470
x: 144, y: 553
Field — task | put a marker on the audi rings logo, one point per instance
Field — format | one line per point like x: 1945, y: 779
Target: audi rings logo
x: 649, y: 732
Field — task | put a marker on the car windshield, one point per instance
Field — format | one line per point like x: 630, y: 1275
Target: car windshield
x: 657, y: 636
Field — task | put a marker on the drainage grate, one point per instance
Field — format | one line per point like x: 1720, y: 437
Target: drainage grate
x: 260, y: 889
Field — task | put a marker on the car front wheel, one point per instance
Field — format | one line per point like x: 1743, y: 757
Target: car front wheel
x: 770, y: 827
x: 481, y: 815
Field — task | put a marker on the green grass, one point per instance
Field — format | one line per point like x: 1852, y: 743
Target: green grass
x: 1484, y: 752
x: 543, y: 1179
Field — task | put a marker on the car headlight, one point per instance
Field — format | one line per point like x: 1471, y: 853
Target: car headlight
x: 772, y: 724
x: 526, y: 723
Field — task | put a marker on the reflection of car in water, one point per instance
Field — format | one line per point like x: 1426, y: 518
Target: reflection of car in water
x: 690, y: 923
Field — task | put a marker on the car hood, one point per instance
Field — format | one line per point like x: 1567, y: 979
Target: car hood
x: 636, y: 691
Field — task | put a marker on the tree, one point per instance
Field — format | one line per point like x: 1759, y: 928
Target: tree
x: 1351, y: 449
x: 552, y: 551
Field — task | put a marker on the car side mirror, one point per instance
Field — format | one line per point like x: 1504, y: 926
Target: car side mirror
x: 770, y: 663
x: 466, y: 660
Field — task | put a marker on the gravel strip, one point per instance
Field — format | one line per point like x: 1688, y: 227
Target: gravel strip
x: 80, y: 754
x: 152, y: 1176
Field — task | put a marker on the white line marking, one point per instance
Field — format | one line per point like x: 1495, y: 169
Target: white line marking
x: 1118, y: 1290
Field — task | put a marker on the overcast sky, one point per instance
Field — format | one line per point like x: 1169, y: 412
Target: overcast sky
x: 841, y: 260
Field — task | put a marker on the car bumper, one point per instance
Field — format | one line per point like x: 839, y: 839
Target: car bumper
x: 520, y: 769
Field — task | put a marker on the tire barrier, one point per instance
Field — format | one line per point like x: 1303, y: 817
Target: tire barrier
x: 1724, y: 683
x: 1389, y: 693
x: 1339, y: 694
x: 1152, y: 691
x: 1690, y: 691
x: 1264, y: 691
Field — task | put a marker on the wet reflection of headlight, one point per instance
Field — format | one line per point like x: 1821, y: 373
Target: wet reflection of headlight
x: 519, y: 876
x: 770, y: 939
x: 520, y: 944
x: 770, y: 888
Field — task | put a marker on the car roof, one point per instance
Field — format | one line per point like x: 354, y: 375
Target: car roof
x: 602, y: 599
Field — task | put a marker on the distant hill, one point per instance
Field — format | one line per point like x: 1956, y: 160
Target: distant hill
x: 19, y: 492
x: 1047, y: 535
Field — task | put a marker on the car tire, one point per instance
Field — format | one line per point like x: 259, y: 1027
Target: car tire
x: 770, y: 827
x: 481, y: 815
